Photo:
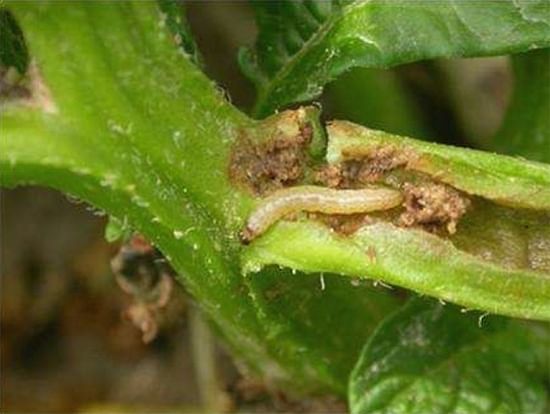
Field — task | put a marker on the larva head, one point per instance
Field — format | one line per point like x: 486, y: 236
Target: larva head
x: 247, y: 235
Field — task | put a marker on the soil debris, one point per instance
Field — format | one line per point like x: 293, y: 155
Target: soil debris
x: 433, y: 206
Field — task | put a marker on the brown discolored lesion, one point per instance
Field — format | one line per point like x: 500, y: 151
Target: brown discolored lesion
x: 433, y: 206
x: 271, y: 164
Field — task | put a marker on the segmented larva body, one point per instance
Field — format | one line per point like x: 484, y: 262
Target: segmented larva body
x: 317, y: 199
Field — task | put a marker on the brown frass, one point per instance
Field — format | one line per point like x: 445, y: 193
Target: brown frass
x: 272, y: 164
x: 432, y: 206
x: 359, y: 169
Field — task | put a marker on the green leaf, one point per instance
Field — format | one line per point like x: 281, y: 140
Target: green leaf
x: 430, y: 358
x: 497, y: 261
x: 526, y: 129
x: 318, y: 322
x: 284, y: 28
x: 321, y: 40
x: 13, y: 52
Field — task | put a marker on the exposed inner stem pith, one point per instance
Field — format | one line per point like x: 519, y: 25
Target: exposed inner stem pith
x: 280, y: 170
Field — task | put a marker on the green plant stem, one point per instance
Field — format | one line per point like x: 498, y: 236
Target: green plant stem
x: 135, y: 129
x: 140, y: 133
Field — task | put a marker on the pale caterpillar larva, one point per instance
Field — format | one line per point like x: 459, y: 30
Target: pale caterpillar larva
x: 317, y: 199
